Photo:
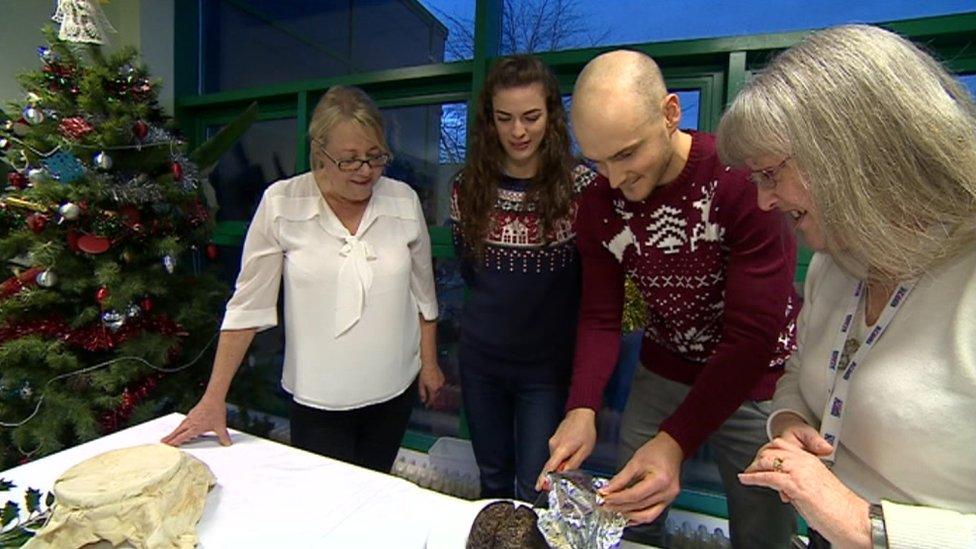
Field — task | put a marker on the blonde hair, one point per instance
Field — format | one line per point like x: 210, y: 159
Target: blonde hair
x: 346, y: 103
x: 883, y: 137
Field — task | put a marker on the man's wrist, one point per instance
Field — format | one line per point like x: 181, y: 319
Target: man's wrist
x: 582, y: 412
x: 670, y: 445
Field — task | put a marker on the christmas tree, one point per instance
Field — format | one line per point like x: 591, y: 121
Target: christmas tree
x: 107, y: 310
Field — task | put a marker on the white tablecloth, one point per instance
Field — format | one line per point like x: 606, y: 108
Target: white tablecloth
x: 273, y: 495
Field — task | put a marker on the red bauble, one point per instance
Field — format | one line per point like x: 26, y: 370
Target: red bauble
x: 177, y: 171
x: 75, y: 127
x: 36, y: 222
x: 93, y: 244
x: 17, y: 180
x: 146, y: 304
x: 212, y: 251
x: 102, y: 294
x: 140, y: 129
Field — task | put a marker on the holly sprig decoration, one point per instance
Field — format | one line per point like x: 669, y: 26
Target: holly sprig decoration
x: 15, y: 530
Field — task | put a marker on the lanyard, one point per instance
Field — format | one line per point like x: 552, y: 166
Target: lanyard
x: 833, y: 415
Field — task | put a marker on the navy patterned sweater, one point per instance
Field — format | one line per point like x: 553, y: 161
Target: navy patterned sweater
x: 520, y: 312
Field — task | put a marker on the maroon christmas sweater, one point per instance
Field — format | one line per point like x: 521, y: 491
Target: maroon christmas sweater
x: 716, y: 274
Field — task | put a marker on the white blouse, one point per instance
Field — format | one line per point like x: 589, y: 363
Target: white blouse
x: 352, y: 331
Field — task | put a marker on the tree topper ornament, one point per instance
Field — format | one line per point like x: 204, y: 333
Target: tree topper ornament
x: 82, y: 21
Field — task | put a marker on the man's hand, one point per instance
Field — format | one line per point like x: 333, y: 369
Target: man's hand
x: 649, y: 482
x: 208, y: 415
x: 572, y: 443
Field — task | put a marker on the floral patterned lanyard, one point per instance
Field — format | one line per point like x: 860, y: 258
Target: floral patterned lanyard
x: 833, y: 415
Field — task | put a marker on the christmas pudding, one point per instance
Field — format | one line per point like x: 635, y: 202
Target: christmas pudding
x: 504, y: 525
x: 150, y: 496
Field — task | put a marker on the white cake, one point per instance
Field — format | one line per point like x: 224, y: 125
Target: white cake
x: 150, y: 496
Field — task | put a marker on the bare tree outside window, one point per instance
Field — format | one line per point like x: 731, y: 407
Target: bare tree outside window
x: 453, y: 134
x: 528, y: 26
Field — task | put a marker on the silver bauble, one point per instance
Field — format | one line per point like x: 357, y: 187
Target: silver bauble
x: 26, y: 391
x: 113, y: 320
x: 36, y: 175
x: 169, y: 263
x: 134, y: 311
x: 70, y: 211
x: 33, y: 115
x: 46, y: 278
x: 103, y: 161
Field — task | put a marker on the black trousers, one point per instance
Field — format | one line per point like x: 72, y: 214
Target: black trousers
x: 369, y: 436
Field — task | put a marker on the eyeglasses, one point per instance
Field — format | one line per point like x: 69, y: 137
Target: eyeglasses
x: 354, y: 164
x: 765, y: 179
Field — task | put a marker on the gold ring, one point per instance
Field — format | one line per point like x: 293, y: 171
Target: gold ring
x: 778, y: 465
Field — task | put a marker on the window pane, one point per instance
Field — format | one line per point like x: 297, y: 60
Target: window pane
x: 248, y: 43
x: 264, y: 154
x: 454, y: 133
x: 689, y: 100
x: 547, y: 25
x: 428, y: 149
x: 428, y: 144
x: 969, y: 81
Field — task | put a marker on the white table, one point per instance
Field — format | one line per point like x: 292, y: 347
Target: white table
x: 273, y: 495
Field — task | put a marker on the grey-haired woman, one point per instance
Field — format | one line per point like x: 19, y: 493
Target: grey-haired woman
x: 869, y: 146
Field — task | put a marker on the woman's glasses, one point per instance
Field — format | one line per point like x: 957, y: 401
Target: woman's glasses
x: 355, y: 164
x: 765, y: 178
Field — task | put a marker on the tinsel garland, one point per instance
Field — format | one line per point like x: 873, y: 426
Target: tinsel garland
x: 95, y: 336
x: 131, y: 396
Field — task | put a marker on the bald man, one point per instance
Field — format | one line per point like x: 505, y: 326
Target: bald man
x: 716, y: 274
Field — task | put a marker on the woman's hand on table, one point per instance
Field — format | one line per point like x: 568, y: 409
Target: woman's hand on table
x: 430, y: 382
x: 802, y: 479
x: 208, y: 415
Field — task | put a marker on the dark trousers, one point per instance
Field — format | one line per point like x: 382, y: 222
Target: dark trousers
x: 510, y: 420
x: 369, y: 436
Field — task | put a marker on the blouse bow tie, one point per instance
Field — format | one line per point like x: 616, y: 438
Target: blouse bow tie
x: 355, y: 280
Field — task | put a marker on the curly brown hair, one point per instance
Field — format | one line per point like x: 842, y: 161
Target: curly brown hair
x: 551, y: 187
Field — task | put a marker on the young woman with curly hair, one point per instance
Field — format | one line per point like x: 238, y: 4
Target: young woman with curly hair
x: 513, y: 208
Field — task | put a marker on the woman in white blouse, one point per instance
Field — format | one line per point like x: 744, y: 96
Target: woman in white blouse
x: 360, y: 310
x: 868, y: 144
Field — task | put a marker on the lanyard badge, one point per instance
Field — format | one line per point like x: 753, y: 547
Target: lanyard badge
x: 833, y: 415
